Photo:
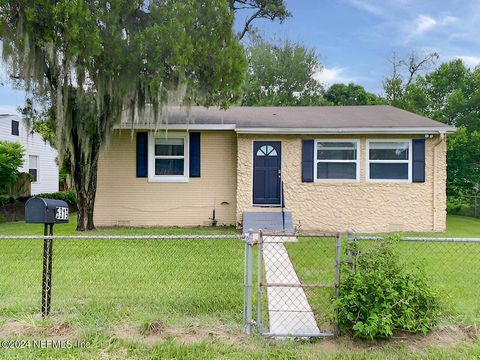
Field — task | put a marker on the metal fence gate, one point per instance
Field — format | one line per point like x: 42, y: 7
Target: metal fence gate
x: 292, y: 282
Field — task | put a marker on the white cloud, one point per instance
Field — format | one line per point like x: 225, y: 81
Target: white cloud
x: 470, y: 61
x: 367, y: 6
x: 425, y: 23
x: 333, y: 75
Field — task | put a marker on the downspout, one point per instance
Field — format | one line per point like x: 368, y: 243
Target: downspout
x: 434, y: 192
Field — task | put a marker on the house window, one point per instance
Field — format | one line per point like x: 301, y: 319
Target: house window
x: 389, y: 160
x: 169, y: 158
x: 336, y: 160
x: 33, y: 167
x: 267, y: 150
x: 15, y: 128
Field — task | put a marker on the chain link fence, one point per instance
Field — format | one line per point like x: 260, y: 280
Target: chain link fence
x: 289, y: 280
x: 296, y: 278
x: 100, y: 280
x: 452, y: 267
x: 464, y: 206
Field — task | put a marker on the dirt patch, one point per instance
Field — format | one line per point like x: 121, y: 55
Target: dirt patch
x: 183, y: 335
x: 12, y: 328
x: 18, y: 328
x: 447, y: 337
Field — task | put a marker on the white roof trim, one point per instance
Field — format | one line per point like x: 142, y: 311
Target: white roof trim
x: 399, y: 130
x: 176, y: 126
x: 358, y: 130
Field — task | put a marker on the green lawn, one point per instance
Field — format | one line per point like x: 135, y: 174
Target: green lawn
x: 457, y: 226
x: 107, y: 292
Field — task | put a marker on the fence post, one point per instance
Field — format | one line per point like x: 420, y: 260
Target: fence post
x: 248, y: 323
x: 476, y: 204
x: 338, y: 244
x: 245, y: 268
x: 349, y: 246
x: 47, y: 270
x: 259, y: 281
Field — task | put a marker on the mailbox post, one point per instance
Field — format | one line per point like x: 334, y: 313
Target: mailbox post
x: 47, y: 212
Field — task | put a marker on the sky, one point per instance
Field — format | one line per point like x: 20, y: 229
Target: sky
x: 354, y: 39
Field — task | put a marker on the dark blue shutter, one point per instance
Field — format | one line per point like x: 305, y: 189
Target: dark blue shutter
x: 142, y: 154
x: 418, y: 174
x: 194, y: 154
x: 307, y: 160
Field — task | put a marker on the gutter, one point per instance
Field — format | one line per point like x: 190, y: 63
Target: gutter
x: 163, y: 126
x: 366, y: 131
x: 289, y: 131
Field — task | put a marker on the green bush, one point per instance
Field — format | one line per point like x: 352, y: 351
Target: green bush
x: 11, y: 159
x: 457, y: 205
x: 5, y: 199
x: 379, y: 294
x: 68, y: 196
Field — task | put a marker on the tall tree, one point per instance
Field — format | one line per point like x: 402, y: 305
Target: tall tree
x: 351, y: 94
x: 450, y: 94
x: 259, y: 9
x: 463, y: 163
x: 403, y: 73
x: 281, y: 74
x: 92, y: 62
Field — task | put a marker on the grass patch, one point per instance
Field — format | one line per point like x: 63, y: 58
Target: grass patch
x: 20, y: 228
x: 195, y: 286
x: 101, y: 282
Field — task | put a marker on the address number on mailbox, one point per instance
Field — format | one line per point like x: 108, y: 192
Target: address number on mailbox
x: 61, y: 213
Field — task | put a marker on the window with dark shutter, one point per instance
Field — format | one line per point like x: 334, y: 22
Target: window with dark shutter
x: 194, y: 154
x: 15, y: 128
x: 418, y: 160
x: 307, y: 160
x: 142, y: 154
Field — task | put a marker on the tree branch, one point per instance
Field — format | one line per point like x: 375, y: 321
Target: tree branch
x: 248, y: 22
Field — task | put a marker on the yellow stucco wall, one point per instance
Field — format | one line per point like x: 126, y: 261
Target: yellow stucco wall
x: 123, y: 199
x: 361, y: 206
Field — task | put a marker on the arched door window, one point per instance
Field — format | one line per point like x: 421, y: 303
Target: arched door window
x: 267, y: 150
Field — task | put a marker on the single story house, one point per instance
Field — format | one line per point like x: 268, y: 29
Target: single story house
x: 365, y: 168
x: 40, y: 157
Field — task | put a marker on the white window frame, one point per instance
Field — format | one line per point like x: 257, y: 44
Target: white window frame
x: 151, y: 157
x: 368, y: 161
x: 316, y: 161
x: 38, y: 167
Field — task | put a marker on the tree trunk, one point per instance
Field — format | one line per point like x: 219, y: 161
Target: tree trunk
x: 84, y: 169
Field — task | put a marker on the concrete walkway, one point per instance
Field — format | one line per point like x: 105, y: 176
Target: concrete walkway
x: 288, y: 309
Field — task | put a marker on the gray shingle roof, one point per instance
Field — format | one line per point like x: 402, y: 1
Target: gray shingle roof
x: 303, y: 119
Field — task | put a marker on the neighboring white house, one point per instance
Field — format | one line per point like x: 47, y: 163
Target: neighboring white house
x: 39, y: 158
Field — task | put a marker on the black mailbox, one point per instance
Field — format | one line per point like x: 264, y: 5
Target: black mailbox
x: 46, y: 211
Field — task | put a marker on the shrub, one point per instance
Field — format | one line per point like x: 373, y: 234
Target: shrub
x: 5, y: 199
x: 379, y: 294
x: 457, y: 205
x: 68, y: 196
x: 11, y: 159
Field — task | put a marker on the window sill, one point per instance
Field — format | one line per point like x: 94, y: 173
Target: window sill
x: 337, y: 181
x: 169, y: 179
x: 388, y: 181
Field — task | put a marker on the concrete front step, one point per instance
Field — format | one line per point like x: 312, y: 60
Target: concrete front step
x: 272, y: 221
